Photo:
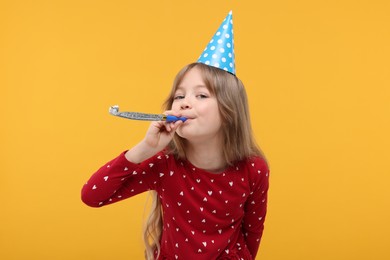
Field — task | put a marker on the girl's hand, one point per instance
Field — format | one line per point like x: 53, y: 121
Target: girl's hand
x: 157, y: 137
x: 161, y: 133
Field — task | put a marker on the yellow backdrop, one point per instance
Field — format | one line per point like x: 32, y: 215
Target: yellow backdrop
x: 317, y: 75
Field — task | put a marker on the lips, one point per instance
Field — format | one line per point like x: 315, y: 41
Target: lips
x: 188, y: 117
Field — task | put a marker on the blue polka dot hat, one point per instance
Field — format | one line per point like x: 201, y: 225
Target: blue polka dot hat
x: 219, y: 52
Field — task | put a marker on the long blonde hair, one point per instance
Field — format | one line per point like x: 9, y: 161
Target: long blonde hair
x: 239, y: 142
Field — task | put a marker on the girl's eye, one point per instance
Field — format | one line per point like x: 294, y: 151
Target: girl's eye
x: 179, y: 97
x: 202, y: 96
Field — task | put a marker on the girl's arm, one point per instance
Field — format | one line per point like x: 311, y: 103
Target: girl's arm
x: 129, y: 173
x: 114, y: 181
x: 256, y: 206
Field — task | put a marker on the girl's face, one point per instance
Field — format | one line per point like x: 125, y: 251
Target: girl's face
x: 195, y: 102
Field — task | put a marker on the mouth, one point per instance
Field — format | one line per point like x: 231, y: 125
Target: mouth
x: 189, y: 119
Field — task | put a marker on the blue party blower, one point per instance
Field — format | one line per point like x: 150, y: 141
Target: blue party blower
x: 114, y: 110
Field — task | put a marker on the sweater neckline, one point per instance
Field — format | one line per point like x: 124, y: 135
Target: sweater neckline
x: 196, y: 169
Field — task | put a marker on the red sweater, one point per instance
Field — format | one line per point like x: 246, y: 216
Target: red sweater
x: 205, y: 215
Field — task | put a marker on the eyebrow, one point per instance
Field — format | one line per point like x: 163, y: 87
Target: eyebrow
x: 180, y: 87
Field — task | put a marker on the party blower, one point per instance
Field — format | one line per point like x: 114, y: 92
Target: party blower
x: 114, y: 110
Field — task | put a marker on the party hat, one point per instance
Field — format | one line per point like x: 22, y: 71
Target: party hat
x: 219, y: 52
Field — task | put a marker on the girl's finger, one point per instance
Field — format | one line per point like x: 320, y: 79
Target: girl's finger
x: 168, y: 127
x: 176, y: 124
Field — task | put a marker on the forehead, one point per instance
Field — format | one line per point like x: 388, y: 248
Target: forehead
x: 193, y: 79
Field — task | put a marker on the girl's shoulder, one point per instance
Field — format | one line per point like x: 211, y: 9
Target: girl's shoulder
x: 257, y: 162
x: 257, y: 170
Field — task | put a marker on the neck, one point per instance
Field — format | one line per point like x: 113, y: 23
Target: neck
x: 207, y: 156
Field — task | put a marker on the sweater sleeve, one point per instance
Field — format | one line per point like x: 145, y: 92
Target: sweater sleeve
x: 256, y: 205
x: 119, y: 179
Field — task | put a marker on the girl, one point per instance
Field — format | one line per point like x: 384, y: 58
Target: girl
x: 208, y: 178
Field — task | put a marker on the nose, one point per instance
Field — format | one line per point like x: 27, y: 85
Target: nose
x: 185, y: 104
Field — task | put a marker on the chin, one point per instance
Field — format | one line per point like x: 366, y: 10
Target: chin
x: 185, y: 133
x: 182, y: 134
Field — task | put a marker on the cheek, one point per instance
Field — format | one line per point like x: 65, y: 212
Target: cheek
x: 218, y: 120
x: 218, y: 117
x: 213, y: 112
x: 175, y: 106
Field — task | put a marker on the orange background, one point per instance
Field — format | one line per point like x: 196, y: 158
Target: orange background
x: 317, y: 75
